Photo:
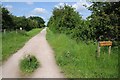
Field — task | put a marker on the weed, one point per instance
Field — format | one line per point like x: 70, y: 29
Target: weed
x: 29, y: 64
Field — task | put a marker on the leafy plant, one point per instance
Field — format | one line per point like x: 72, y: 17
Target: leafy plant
x: 29, y: 64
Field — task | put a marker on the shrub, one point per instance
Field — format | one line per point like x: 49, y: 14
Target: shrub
x: 29, y: 64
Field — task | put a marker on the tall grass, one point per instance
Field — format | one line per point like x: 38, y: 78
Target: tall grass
x: 0, y: 47
x: 12, y: 41
x: 78, y: 60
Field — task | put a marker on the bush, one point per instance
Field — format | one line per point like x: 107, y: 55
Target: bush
x: 29, y: 64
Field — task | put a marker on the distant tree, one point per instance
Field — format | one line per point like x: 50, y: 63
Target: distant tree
x: 26, y: 23
x: 19, y: 22
x: 7, y: 21
x: 11, y: 22
x: 41, y: 22
x: 31, y: 24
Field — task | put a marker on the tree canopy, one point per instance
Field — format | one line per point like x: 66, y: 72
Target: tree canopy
x: 66, y: 20
x: 11, y: 22
x: 105, y: 20
x: 102, y: 24
x: 39, y: 20
x: 7, y: 21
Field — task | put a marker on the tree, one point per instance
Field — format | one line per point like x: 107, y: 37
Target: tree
x: 105, y: 20
x: 31, y: 24
x: 40, y: 21
x: 0, y: 18
x: 11, y: 22
x: 67, y: 20
x: 7, y: 21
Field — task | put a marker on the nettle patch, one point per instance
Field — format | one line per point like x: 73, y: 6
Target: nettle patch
x: 29, y: 64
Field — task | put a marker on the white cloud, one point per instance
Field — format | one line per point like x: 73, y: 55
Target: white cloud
x: 60, y: 4
x: 83, y: 11
x: 29, y: 3
x: 38, y: 11
x: 80, y: 5
x: 9, y: 7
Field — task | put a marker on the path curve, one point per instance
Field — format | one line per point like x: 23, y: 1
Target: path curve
x: 39, y: 47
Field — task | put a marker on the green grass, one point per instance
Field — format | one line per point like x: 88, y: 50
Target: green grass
x: 29, y: 64
x: 0, y: 47
x: 78, y: 60
x: 12, y: 41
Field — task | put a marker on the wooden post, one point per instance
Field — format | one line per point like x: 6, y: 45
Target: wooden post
x: 4, y: 30
x: 16, y: 30
x: 104, y: 43
x: 109, y: 50
x: 98, y: 50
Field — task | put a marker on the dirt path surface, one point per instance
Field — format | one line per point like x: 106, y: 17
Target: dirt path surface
x: 39, y: 47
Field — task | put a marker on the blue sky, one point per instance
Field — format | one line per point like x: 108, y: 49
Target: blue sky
x: 43, y: 9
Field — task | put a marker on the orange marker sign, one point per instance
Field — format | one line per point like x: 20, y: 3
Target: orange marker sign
x: 105, y: 43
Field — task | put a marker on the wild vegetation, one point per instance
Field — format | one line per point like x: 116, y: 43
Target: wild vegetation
x: 29, y: 64
x: 0, y: 48
x: 74, y: 40
x: 78, y: 59
x: 19, y: 39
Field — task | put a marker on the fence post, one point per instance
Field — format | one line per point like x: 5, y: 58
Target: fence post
x: 98, y: 50
x: 16, y: 31
x: 109, y: 50
x: 4, y: 31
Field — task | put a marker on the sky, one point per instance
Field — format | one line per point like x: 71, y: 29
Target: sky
x: 44, y: 9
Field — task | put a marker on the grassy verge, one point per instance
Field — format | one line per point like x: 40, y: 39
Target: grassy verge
x: 78, y: 60
x: 12, y: 41
x: 0, y: 47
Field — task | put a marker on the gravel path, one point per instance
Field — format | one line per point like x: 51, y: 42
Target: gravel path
x: 39, y: 47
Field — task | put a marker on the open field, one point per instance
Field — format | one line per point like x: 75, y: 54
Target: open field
x: 78, y: 60
x: 12, y: 41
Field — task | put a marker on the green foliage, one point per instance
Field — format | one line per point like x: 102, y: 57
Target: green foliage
x: 102, y: 25
x: 7, y: 21
x: 12, y: 41
x: 29, y: 64
x: 67, y: 20
x: 0, y: 48
x: 39, y: 20
x: 11, y: 22
x: 78, y: 59
x: 105, y: 20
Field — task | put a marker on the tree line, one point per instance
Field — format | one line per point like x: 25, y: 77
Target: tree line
x: 102, y: 24
x: 11, y: 22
